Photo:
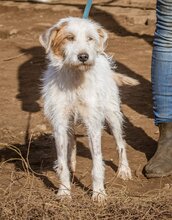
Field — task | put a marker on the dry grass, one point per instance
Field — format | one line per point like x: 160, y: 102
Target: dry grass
x: 24, y: 198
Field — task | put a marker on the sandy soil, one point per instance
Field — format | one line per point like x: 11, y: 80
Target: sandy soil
x: 130, y: 25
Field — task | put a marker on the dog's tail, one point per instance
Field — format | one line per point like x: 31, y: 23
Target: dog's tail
x: 122, y: 79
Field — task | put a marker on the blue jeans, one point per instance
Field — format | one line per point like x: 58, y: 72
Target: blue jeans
x: 162, y: 63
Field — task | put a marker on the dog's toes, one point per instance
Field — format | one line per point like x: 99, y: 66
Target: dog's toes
x: 124, y: 173
x: 64, y: 194
x: 99, y: 197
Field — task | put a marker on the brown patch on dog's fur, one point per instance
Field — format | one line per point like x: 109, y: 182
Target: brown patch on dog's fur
x: 59, y: 38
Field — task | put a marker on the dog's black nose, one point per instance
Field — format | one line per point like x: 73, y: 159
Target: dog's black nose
x: 83, y: 57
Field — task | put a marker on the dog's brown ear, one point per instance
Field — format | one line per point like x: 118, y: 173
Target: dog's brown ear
x: 46, y: 38
x: 103, y: 36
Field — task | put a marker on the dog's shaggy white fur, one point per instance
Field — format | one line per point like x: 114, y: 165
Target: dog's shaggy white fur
x: 79, y: 82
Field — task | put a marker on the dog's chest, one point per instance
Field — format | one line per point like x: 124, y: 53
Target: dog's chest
x: 79, y: 103
x: 82, y: 102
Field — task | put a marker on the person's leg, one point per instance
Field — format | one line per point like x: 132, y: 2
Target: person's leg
x: 161, y: 163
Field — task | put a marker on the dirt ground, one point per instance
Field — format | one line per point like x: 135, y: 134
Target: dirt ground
x: 27, y: 180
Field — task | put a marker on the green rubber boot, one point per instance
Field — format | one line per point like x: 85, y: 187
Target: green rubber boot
x: 160, y: 164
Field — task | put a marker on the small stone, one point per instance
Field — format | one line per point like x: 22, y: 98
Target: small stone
x: 41, y: 127
x: 13, y: 32
x: 167, y: 186
x: 156, y: 132
x: 149, y: 21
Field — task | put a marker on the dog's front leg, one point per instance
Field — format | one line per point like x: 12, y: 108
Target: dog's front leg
x: 72, y: 147
x: 61, y: 167
x: 94, y: 133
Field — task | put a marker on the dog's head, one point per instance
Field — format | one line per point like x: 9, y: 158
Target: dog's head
x: 74, y: 42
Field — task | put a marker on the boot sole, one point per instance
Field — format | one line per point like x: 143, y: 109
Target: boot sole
x: 155, y: 175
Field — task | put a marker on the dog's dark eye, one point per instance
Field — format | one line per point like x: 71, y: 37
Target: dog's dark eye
x: 90, y: 38
x: 70, y: 37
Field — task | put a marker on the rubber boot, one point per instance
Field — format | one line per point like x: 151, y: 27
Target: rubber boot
x: 160, y: 164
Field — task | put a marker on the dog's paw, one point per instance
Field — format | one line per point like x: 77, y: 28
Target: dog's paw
x: 99, y: 197
x: 124, y: 173
x: 64, y: 194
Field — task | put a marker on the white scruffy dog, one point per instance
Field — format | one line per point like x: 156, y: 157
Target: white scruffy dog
x: 79, y: 81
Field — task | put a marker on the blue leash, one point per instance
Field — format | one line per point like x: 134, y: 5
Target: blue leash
x: 87, y: 9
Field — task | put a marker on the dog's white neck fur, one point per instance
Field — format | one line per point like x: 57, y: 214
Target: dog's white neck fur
x: 71, y: 78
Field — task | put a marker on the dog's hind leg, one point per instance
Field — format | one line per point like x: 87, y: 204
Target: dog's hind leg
x: 61, y: 166
x: 115, y: 119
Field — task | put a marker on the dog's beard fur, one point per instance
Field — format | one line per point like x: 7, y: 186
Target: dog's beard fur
x: 83, y: 67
